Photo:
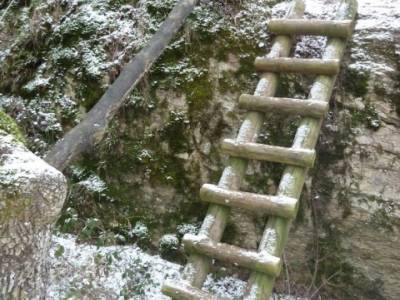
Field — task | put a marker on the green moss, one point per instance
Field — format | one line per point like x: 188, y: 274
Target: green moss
x: 159, y: 9
x: 8, y: 125
x: 226, y: 83
x: 175, y: 132
x: 65, y: 57
x: 368, y: 117
x: 337, y: 271
x: 356, y: 81
x: 90, y: 92
x: 344, y: 202
x: 18, y: 70
x: 137, y: 153
x: 334, y: 266
x: 75, y: 28
x: 380, y: 218
x: 12, y: 203
x: 199, y: 94
x: 395, y: 98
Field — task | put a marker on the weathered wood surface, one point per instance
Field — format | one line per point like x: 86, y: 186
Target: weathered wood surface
x: 277, y: 229
x: 307, y: 66
x: 183, y: 291
x: 266, y: 204
x: 307, y: 108
x: 255, y: 151
x: 330, y: 28
x: 83, y: 137
x: 257, y: 261
x: 213, y: 226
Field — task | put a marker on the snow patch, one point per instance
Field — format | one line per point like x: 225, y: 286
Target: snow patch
x: 114, y: 272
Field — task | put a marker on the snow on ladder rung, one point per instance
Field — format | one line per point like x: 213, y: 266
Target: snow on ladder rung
x: 281, y: 206
x: 315, y: 66
x: 180, y: 290
x: 309, y: 108
x: 257, y: 261
x: 330, y: 28
x: 290, y: 156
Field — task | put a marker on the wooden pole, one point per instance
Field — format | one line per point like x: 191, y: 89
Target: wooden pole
x: 90, y: 130
x: 258, y: 261
x: 283, y: 155
x: 179, y: 290
x: 312, y: 66
x: 265, y: 204
x: 301, y: 107
x: 330, y: 28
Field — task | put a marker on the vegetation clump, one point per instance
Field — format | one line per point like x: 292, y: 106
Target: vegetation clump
x: 356, y: 81
x: 8, y: 125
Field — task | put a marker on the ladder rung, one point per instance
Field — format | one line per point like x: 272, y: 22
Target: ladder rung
x: 298, y: 65
x: 260, y: 262
x: 281, y: 206
x: 339, y: 29
x: 290, y: 156
x: 184, y: 291
x: 310, y: 108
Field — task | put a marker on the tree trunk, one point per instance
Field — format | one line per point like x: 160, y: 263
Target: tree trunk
x: 31, y: 198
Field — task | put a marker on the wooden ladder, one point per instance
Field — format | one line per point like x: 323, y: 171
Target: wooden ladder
x: 265, y: 264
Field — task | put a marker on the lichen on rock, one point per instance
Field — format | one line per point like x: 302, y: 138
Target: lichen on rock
x: 142, y: 181
x: 31, y: 197
x: 8, y: 125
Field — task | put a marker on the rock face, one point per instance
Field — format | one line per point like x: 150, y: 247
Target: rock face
x: 143, y: 180
x: 348, y: 233
x: 31, y: 197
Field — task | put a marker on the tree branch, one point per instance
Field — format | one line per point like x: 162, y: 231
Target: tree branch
x: 87, y: 133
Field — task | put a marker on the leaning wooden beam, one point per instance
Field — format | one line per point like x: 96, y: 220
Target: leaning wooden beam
x: 197, y: 267
x: 330, y: 28
x: 290, y: 156
x: 87, y: 133
x: 183, y: 291
x: 277, y: 229
x: 313, y: 66
x: 257, y: 261
x: 309, y: 108
x: 265, y: 204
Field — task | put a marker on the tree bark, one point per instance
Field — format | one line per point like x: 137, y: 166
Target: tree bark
x: 31, y: 197
x: 331, y: 28
x: 86, y: 134
x: 271, y: 153
x: 308, y: 66
x: 266, y: 204
x: 309, y: 108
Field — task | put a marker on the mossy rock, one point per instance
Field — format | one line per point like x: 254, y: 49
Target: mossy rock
x: 13, y: 205
x: 356, y: 81
x: 8, y: 125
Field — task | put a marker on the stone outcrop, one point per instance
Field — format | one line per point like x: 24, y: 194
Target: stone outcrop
x: 31, y: 197
x: 164, y: 144
x: 347, y: 236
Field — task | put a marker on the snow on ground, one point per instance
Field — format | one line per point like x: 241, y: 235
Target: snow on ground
x: 82, y: 271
